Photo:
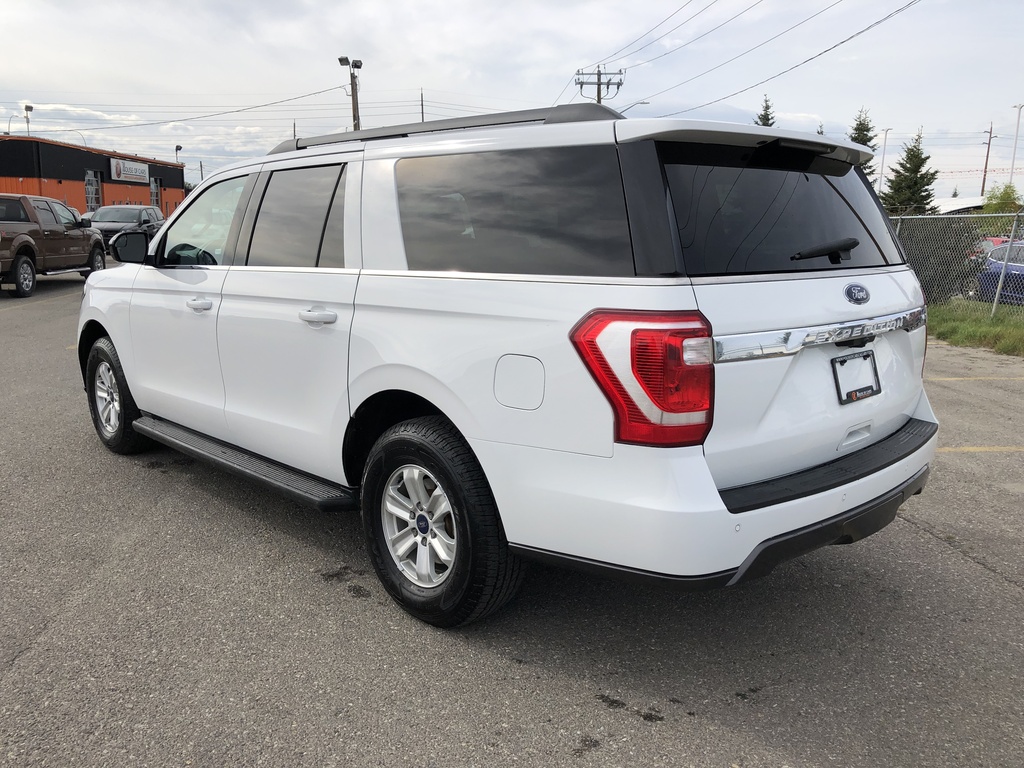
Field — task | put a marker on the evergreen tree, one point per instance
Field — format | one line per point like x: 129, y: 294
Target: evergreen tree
x: 909, y: 188
x: 767, y: 116
x: 863, y: 132
x: 956, y: 192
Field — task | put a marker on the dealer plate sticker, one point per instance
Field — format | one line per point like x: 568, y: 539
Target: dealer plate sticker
x: 856, y: 376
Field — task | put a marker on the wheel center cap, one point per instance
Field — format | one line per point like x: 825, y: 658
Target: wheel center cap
x: 422, y: 524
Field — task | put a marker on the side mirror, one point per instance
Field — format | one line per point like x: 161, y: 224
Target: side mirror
x: 85, y: 222
x: 145, y: 220
x: 129, y: 247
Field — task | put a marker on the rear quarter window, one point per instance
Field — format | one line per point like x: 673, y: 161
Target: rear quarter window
x: 746, y: 211
x: 550, y: 211
x: 12, y: 210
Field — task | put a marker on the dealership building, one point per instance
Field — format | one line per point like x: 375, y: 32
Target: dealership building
x: 86, y: 178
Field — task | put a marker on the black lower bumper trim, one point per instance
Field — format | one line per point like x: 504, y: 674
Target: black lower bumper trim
x: 845, y: 528
x: 911, y: 437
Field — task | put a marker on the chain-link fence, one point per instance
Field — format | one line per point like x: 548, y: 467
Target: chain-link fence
x: 976, y: 258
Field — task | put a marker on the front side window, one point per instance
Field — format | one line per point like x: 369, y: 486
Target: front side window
x: 772, y: 209
x: 550, y: 211
x: 67, y: 218
x: 199, y: 236
x: 290, y: 224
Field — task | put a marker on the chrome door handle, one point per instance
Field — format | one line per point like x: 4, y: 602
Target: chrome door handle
x: 198, y: 305
x: 318, y: 316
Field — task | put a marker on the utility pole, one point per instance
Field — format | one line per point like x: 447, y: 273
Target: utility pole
x: 603, y: 85
x: 984, y: 174
x: 422, y: 117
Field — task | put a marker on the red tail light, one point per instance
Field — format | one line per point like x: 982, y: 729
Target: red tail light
x: 656, y: 369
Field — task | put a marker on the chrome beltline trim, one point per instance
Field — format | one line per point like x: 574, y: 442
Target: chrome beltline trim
x: 767, y: 344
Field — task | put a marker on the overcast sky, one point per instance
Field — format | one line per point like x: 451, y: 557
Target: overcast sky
x: 144, y: 77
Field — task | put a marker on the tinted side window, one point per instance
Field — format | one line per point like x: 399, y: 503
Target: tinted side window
x: 743, y: 211
x: 292, y: 215
x: 332, y: 251
x: 552, y: 211
x: 12, y: 210
x: 199, y: 236
x: 44, y: 213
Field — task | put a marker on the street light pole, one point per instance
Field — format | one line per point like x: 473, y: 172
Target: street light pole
x: 1013, y: 158
x: 881, y: 167
x: 28, y: 110
x: 353, y: 65
x: 177, y: 149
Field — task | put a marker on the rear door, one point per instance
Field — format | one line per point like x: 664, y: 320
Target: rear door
x: 817, y: 321
x: 284, y: 325
x: 54, y: 245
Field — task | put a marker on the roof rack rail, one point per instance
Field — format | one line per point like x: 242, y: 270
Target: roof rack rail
x: 563, y: 113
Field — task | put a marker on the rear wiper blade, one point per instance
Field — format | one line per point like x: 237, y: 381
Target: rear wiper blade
x: 835, y: 250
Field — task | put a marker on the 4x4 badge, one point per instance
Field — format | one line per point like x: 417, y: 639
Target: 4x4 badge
x: 857, y: 294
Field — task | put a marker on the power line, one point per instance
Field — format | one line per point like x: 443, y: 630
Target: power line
x: 805, y: 61
x: 645, y: 34
x: 698, y: 37
x: 677, y: 26
x: 741, y: 55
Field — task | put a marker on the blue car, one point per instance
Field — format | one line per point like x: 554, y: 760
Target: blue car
x: 1013, y: 283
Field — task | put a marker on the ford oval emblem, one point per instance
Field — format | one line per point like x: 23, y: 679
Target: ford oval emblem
x: 857, y: 294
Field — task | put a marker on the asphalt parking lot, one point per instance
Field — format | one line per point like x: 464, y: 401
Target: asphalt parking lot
x: 155, y: 611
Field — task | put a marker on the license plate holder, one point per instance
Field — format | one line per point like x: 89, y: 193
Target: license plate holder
x: 856, y: 376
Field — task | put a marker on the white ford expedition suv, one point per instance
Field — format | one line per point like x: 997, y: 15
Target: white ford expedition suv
x: 673, y: 350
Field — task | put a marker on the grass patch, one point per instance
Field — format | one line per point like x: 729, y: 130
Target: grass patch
x: 966, y: 323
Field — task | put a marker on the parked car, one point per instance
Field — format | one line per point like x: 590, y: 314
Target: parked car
x: 1013, y: 282
x: 42, y: 236
x: 111, y: 219
x: 671, y: 350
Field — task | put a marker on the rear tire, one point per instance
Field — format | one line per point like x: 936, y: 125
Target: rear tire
x: 111, y: 404
x: 23, y: 275
x: 432, y: 526
x: 97, y: 261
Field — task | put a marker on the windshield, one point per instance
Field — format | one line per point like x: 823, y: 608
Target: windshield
x: 1016, y: 254
x: 772, y: 209
x: 120, y: 215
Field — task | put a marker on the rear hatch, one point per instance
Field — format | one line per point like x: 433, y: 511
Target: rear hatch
x: 817, y: 321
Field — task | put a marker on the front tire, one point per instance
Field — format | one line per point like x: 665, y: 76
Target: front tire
x: 110, y: 401
x: 23, y: 275
x: 432, y: 526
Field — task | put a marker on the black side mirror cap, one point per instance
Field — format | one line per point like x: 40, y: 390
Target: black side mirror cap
x: 129, y: 247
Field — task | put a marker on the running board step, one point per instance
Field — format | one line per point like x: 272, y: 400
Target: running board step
x: 290, y: 482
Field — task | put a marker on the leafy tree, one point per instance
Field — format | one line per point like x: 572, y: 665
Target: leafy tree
x: 863, y: 132
x: 767, y: 115
x: 821, y: 128
x: 1002, y: 198
x: 909, y: 188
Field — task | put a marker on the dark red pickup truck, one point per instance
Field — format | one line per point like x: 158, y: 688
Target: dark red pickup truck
x: 42, y: 236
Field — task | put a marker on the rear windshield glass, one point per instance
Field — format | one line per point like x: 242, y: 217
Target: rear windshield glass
x: 772, y: 209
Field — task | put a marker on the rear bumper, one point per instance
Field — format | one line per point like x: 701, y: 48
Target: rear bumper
x: 846, y: 528
x: 656, y: 514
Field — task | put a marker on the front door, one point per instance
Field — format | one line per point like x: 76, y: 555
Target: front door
x: 174, y: 308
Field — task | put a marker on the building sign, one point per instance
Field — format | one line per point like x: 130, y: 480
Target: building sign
x: 126, y: 170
